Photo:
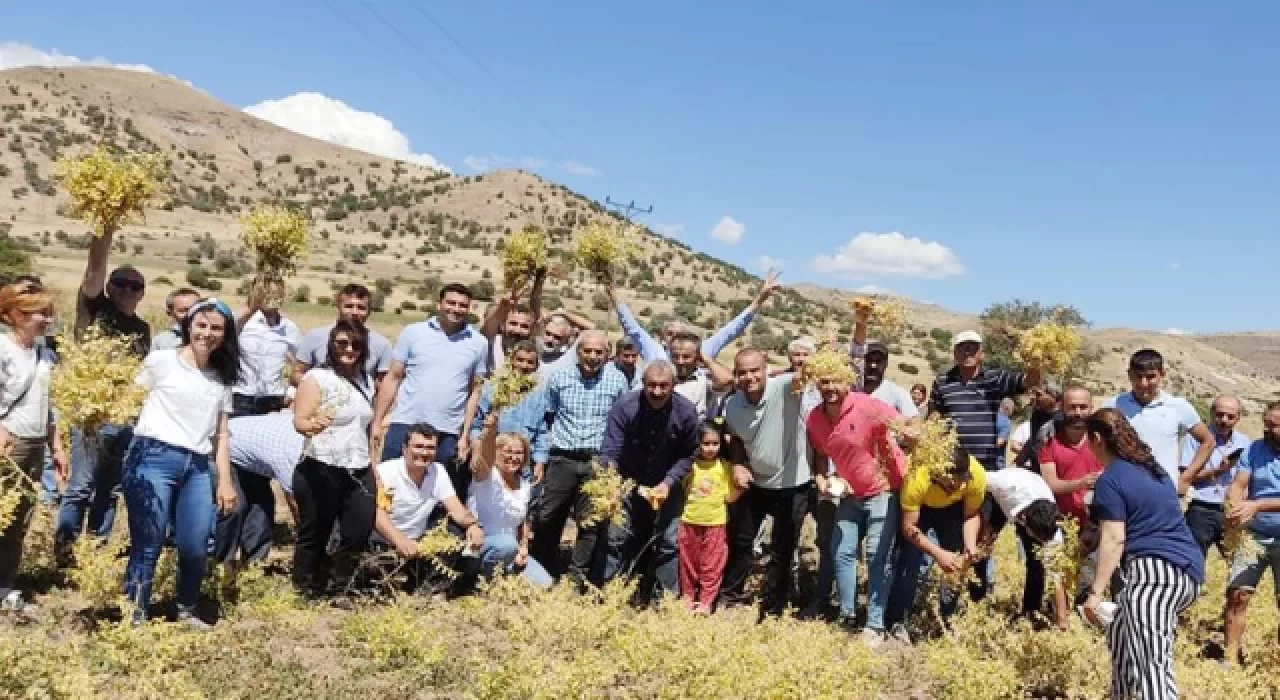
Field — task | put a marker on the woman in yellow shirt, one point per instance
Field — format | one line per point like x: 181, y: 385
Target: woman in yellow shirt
x: 941, y: 519
x: 702, y: 545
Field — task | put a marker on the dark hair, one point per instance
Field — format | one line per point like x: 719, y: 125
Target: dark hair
x: 1146, y: 360
x: 521, y: 308
x: 35, y: 284
x: 624, y: 343
x: 423, y: 429
x: 455, y: 288
x: 685, y: 337
x: 1273, y: 406
x: 179, y: 292
x: 525, y: 345
x: 353, y: 289
x: 923, y: 389
x: 1040, y: 519
x: 359, y: 338
x: 712, y: 426
x: 1122, y: 440
x: 224, y: 361
x: 960, y: 464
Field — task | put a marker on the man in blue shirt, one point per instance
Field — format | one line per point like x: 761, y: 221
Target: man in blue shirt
x: 650, y: 437
x: 436, y: 368
x: 1254, y: 500
x: 527, y: 418
x: 1209, y: 489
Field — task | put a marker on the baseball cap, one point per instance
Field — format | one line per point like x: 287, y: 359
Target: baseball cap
x: 877, y: 346
x: 965, y: 337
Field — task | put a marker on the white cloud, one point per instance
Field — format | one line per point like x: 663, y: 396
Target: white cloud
x: 327, y: 119
x: 1174, y: 331
x: 891, y: 254
x: 875, y: 289
x: 1175, y: 266
x: 15, y: 55
x: 765, y: 263
x: 573, y: 167
x: 728, y: 230
x: 478, y: 163
x: 669, y: 230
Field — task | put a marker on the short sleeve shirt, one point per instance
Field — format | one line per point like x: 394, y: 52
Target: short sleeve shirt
x: 440, y: 370
x: 973, y: 405
x: 919, y: 491
x: 99, y: 311
x: 1160, y: 423
x: 1070, y: 463
x: 707, y: 489
x: 1151, y: 513
x: 897, y: 397
x: 1262, y: 463
x: 409, y: 505
x: 313, y: 350
x: 183, y: 404
x: 773, y: 433
x: 854, y: 444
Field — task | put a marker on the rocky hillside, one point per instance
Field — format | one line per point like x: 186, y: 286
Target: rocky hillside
x: 405, y: 229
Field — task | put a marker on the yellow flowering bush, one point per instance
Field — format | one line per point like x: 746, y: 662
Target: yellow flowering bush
x: 1050, y: 346
x: 278, y: 237
x: 523, y: 254
x: 437, y: 545
x: 602, y: 248
x: 605, y: 491
x: 109, y: 190
x: 14, y: 485
x: 93, y: 383
x: 935, y: 447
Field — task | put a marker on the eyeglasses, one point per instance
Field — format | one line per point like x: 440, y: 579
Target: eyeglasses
x: 344, y: 344
x: 131, y: 285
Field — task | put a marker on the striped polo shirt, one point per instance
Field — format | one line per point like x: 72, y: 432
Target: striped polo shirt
x: 972, y: 407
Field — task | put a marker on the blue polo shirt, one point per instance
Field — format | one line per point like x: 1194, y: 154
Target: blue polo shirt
x: 439, y: 372
x: 1160, y: 423
x: 1214, y: 491
x: 1262, y: 463
x: 1152, y: 515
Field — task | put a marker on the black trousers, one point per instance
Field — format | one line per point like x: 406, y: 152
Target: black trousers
x: 1033, y: 585
x: 327, y: 494
x: 1207, y: 523
x: 787, y: 507
x: 247, y: 529
x: 242, y: 405
x: 561, y: 497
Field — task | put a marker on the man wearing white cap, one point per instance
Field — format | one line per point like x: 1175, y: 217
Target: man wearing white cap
x: 970, y: 396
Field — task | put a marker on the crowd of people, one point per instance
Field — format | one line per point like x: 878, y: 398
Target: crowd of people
x: 377, y: 445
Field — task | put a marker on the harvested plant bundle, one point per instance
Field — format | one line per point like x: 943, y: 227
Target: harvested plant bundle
x: 523, y: 254
x: 1236, y: 538
x: 605, y: 491
x: 935, y: 448
x: 278, y: 238
x: 1050, y: 346
x: 14, y: 485
x: 888, y: 316
x: 510, y: 387
x: 1062, y: 560
x: 437, y: 544
x: 827, y: 363
x: 602, y: 249
x: 109, y: 190
x: 93, y: 384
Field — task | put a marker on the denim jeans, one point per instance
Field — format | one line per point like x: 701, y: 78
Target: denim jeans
x: 95, y: 477
x: 246, y: 531
x: 876, y: 519
x: 165, y: 485
x: 49, y: 494
x: 501, y: 549
x: 644, y: 545
x: 944, y: 527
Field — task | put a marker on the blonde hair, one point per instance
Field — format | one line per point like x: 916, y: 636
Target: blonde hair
x: 505, y: 439
x: 23, y: 297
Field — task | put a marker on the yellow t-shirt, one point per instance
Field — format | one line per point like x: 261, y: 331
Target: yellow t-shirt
x: 919, y: 490
x: 707, y: 488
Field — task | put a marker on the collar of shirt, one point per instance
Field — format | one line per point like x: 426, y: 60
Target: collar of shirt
x: 464, y: 332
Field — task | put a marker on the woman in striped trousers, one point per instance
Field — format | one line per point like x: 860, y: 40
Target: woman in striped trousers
x: 1144, y: 534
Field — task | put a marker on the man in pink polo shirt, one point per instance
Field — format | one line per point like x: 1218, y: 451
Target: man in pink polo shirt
x: 861, y: 466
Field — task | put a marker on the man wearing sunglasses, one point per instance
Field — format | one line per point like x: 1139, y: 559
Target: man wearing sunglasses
x: 109, y: 302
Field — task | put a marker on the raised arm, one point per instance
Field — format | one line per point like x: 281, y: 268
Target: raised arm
x: 738, y: 325
x: 95, y: 271
x: 650, y: 349
x: 497, y: 314
x: 486, y: 449
x: 721, y: 376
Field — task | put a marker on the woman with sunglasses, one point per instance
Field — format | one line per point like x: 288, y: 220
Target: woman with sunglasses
x: 26, y: 430
x: 180, y: 439
x: 334, y: 481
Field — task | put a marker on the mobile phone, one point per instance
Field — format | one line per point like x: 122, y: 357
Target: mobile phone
x: 1235, y: 454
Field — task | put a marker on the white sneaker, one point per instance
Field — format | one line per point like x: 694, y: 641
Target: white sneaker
x: 900, y: 633
x: 871, y: 638
x: 14, y: 603
x: 189, y: 618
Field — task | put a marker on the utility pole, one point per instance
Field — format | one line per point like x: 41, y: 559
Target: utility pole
x: 629, y: 208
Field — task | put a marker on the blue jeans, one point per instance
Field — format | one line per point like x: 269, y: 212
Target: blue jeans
x: 49, y: 494
x: 944, y: 527
x: 876, y: 519
x: 501, y: 549
x: 166, y: 485
x: 95, y: 476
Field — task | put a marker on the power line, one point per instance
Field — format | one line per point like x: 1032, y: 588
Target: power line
x: 629, y: 207
x: 492, y: 75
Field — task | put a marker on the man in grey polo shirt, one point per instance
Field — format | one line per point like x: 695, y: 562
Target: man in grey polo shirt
x: 353, y: 305
x: 770, y: 453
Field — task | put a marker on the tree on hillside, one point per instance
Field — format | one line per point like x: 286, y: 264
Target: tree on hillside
x: 1002, y: 323
x: 14, y: 260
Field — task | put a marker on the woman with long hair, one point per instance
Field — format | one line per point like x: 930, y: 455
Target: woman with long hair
x: 180, y: 438
x: 1144, y: 535
x: 334, y: 481
x: 26, y: 428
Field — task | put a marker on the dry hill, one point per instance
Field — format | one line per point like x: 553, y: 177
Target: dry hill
x: 405, y: 229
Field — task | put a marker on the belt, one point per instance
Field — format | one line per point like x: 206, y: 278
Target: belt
x: 579, y: 455
x: 1206, y: 505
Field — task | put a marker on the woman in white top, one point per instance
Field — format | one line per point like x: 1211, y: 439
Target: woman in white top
x: 334, y: 482
x: 499, y: 497
x: 26, y: 427
x: 180, y: 438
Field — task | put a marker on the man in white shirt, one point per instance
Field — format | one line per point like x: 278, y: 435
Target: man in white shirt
x: 261, y: 448
x: 1024, y: 498
x: 268, y: 344
x: 410, y: 487
x: 1161, y: 419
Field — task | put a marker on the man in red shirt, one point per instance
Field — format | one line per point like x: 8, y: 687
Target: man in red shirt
x: 1069, y: 467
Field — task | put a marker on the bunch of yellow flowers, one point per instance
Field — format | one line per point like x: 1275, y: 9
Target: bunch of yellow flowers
x: 278, y: 238
x: 602, y: 249
x: 1051, y: 346
x: 93, y: 384
x: 935, y: 447
x: 523, y: 254
x: 605, y: 491
x: 109, y: 190
x: 827, y: 363
x: 510, y: 386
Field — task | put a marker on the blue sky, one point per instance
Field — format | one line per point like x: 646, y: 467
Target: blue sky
x: 1122, y: 157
